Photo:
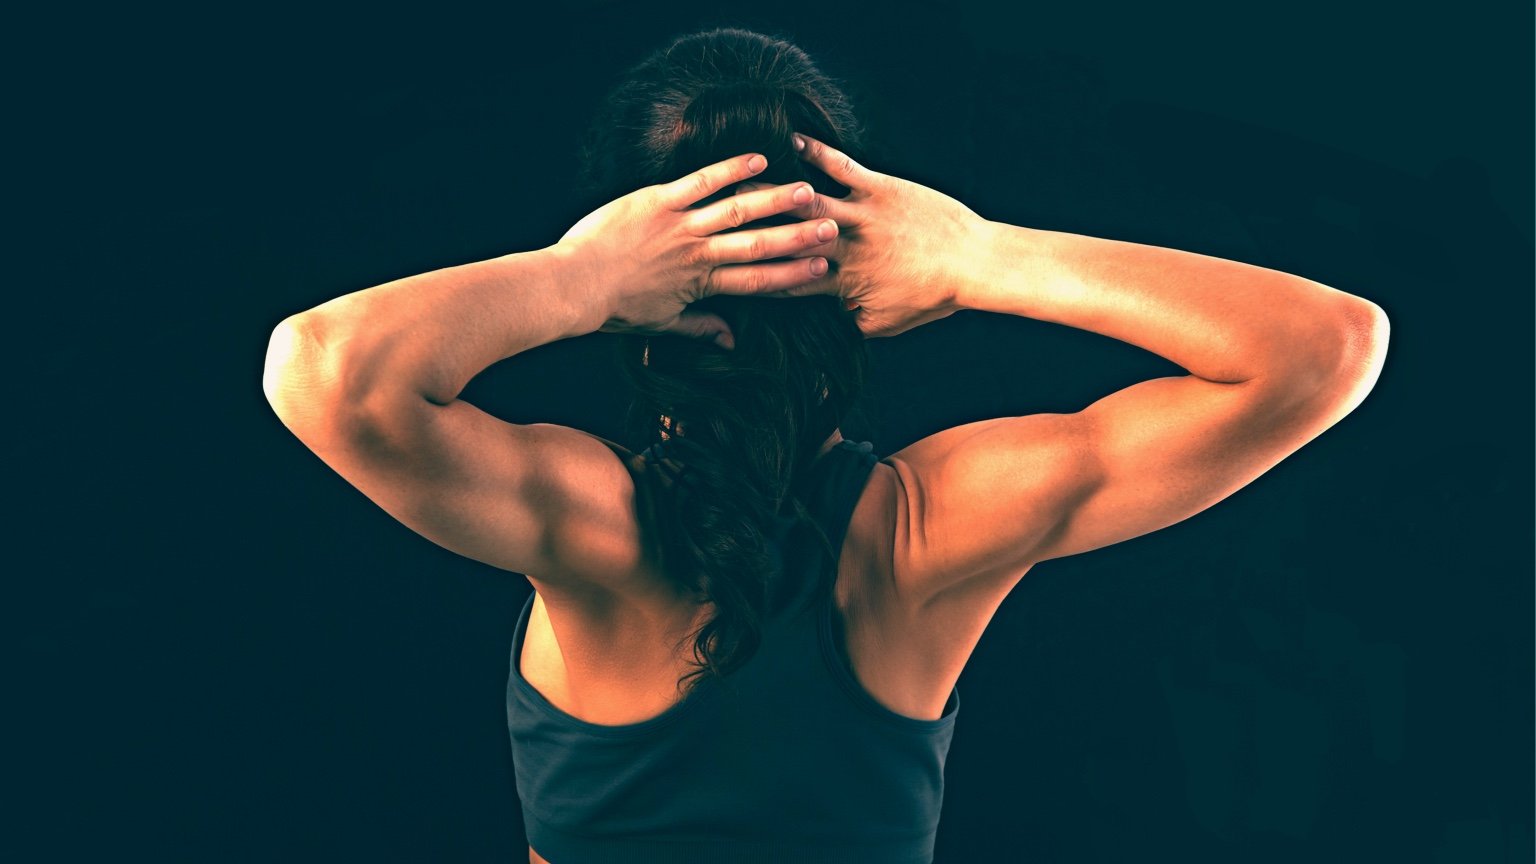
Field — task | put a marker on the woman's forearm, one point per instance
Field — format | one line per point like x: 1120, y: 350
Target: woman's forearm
x: 1222, y: 320
x: 424, y: 337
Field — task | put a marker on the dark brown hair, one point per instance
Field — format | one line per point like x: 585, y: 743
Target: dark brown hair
x: 746, y: 423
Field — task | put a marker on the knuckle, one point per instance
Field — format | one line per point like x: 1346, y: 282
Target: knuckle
x: 756, y: 247
x: 735, y: 215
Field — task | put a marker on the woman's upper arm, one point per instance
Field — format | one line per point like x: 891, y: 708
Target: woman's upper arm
x: 990, y: 499
x: 547, y: 501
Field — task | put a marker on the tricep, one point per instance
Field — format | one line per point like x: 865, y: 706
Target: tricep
x: 990, y: 499
x: 977, y: 499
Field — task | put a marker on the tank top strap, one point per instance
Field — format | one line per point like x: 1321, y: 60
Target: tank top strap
x: 830, y: 493
x: 841, y: 476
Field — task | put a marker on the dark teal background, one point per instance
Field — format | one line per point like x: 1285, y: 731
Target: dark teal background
x: 229, y: 654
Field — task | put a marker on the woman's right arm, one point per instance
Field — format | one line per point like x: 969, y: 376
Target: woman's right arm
x: 1225, y: 321
x: 1274, y: 360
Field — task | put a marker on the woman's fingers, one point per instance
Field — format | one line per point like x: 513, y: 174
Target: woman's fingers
x: 828, y: 207
x: 743, y: 207
x: 766, y: 278
x: 776, y: 242
x: 684, y: 192
x: 824, y: 284
x: 820, y: 207
x: 836, y: 164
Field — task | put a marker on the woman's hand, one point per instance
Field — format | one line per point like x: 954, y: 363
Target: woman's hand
x: 649, y: 254
x: 902, y: 250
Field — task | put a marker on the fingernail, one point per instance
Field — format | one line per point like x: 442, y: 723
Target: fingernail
x: 725, y: 341
x: 825, y: 231
x: 757, y: 163
x: 802, y: 195
x: 818, y: 266
x: 797, y: 141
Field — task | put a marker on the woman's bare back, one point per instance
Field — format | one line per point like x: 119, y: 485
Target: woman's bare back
x: 907, y: 659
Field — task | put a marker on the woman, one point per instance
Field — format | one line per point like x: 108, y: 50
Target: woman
x: 744, y: 641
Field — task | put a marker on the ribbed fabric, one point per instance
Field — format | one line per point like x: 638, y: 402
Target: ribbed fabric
x: 788, y: 759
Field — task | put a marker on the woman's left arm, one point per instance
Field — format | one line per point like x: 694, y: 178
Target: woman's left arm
x: 633, y: 265
x: 369, y: 381
x: 414, y: 343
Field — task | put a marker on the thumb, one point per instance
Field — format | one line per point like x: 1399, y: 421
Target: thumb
x: 704, y: 325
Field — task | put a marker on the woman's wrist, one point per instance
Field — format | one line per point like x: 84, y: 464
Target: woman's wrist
x: 991, y: 267
x: 587, y: 289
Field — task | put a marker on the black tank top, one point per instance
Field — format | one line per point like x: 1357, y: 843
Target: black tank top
x: 786, y: 759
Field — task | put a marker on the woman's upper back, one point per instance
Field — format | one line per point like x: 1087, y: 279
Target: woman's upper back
x: 622, y: 659
x: 790, y: 755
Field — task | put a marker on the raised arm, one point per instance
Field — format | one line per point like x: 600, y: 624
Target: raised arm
x: 370, y: 380
x: 1274, y: 360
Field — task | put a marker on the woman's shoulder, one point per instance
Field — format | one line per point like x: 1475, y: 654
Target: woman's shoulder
x: 632, y: 460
